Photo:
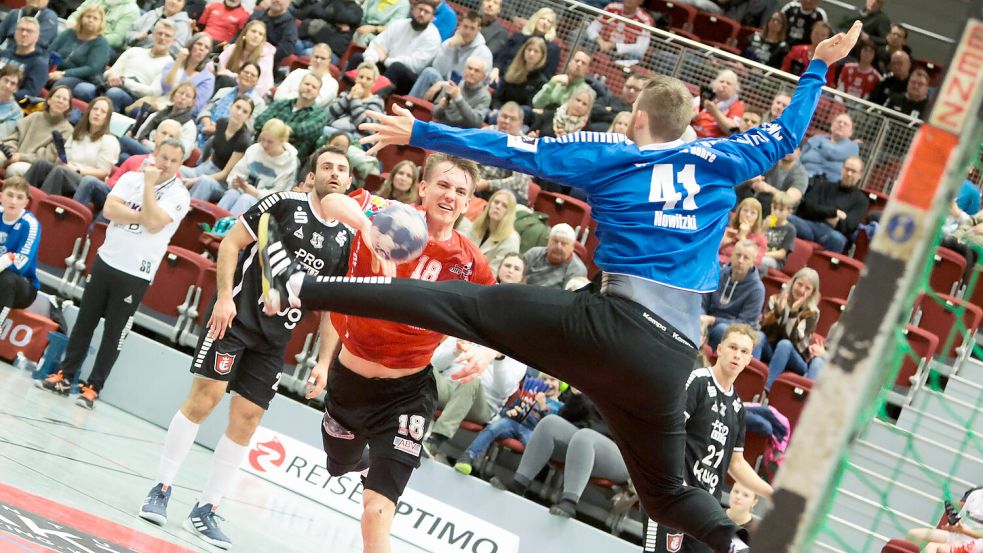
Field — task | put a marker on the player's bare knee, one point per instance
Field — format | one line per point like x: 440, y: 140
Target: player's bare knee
x: 244, y: 417
x: 377, y: 507
x: 204, y: 396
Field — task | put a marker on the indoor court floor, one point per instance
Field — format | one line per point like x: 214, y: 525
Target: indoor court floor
x: 72, y: 480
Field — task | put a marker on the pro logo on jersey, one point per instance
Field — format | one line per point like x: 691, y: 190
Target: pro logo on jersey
x: 224, y: 362
x: 407, y: 446
x: 317, y: 240
x: 674, y: 542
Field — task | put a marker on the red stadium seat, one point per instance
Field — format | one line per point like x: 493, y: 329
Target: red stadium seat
x: 799, y: 256
x: 471, y: 426
x: 188, y: 234
x: 680, y: 15
x: 754, y: 447
x: 686, y: 34
x: 715, y: 28
x: 838, y: 274
x: 532, y: 192
x: 174, y: 286
x: 421, y: 109
x: 750, y: 383
x: 349, y: 52
x: 789, y: 393
x: 393, y: 154
x: 299, y: 62
x: 560, y: 208
x: 773, y: 282
x: 830, y: 310
x: 35, y: 195
x: 744, y: 35
x: 897, y: 545
x: 947, y: 271
x: 877, y: 200
x: 193, y: 158
x: 861, y: 245
x: 923, y: 346
x: 25, y: 332
x: 196, y: 314
x: 374, y: 182
x: 723, y: 46
x: 64, y: 223
x: 952, y: 320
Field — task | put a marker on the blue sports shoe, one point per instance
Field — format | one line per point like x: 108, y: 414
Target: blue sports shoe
x: 203, y: 522
x: 155, y: 506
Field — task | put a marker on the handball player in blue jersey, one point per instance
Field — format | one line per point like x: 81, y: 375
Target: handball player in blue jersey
x: 661, y: 207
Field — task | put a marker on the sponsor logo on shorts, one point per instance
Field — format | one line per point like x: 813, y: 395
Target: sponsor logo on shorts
x: 407, y: 446
x: 657, y: 324
x: 334, y: 429
x: 224, y: 362
x: 674, y: 542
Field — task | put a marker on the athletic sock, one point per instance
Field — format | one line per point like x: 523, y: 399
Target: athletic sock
x: 295, y: 282
x: 180, y: 437
x: 225, y: 466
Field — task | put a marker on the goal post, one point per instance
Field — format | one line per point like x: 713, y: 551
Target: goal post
x: 848, y: 394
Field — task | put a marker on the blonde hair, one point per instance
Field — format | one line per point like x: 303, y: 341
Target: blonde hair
x: 530, y: 27
x: 370, y: 66
x: 469, y: 167
x: 277, y: 129
x: 810, y: 274
x: 668, y: 105
x: 744, y: 330
x: 239, y: 55
x: 735, y: 221
x: 388, y: 191
x: 102, y: 18
x: 517, y: 72
x: 617, y: 119
x: 504, y: 228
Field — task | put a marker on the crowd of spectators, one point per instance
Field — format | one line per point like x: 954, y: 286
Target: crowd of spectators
x: 213, y: 86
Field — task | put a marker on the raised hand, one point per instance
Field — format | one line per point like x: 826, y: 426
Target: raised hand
x: 388, y: 129
x: 836, y: 47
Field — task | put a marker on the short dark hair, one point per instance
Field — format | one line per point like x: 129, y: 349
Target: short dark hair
x: 473, y: 15
x: 432, y: 3
x: 312, y: 161
x: 11, y: 69
x: 255, y: 66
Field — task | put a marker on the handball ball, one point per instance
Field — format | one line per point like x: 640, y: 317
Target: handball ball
x: 399, y: 233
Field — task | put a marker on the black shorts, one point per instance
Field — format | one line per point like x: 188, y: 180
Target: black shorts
x: 245, y: 359
x: 390, y: 415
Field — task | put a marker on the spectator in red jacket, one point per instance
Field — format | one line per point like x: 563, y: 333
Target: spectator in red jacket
x: 798, y: 58
x: 222, y: 20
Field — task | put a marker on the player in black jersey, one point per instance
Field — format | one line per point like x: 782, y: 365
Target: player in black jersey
x: 242, y: 350
x: 714, y: 435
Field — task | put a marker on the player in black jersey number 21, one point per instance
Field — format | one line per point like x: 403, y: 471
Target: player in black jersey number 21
x: 242, y: 350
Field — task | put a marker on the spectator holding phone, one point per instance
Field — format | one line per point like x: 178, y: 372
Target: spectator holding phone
x: 720, y: 108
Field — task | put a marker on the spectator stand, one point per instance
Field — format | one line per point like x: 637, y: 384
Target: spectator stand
x: 884, y: 135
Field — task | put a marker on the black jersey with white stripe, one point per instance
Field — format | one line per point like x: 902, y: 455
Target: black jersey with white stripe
x: 321, y: 247
x: 714, y: 430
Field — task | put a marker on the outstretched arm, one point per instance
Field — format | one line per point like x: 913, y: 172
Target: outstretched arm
x: 564, y: 160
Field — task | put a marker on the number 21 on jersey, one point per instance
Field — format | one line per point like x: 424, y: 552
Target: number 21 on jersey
x: 663, y: 186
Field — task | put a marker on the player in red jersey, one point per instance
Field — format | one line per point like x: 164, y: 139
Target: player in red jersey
x: 379, y: 392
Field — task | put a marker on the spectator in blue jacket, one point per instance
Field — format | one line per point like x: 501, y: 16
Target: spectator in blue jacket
x: 20, y: 234
x: 26, y: 54
x: 34, y: 8
x: 823, y: 155
x: 739, y: 296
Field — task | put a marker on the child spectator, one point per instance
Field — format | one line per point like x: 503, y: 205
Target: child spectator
x: 21, y: 234
x: 10, y: 111
x: 517, y: 419
x: 779, y: 232
x: 742, y: 503
x: 745, y: 224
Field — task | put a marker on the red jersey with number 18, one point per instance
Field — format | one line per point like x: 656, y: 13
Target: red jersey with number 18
x: 399, y: 346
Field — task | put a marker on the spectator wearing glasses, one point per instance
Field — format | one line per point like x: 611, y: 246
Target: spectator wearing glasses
x: 26, y: 54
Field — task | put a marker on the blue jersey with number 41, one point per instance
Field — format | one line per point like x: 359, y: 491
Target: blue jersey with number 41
x: 661, y: 210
